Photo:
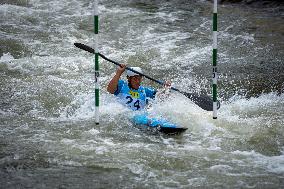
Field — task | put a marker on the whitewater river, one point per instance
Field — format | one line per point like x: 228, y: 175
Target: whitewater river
x: 48, y: 138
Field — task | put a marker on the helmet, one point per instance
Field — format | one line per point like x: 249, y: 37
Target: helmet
x: 130, y: 73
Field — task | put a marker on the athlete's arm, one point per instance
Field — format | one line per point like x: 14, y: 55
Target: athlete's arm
x: 112, y: 86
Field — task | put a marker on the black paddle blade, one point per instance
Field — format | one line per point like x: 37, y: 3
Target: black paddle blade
x: 203, y: 101
x: 85, y: 47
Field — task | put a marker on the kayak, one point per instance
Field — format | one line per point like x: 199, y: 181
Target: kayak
x: 157, y: 124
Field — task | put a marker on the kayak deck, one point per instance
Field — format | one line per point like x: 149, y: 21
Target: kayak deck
x: 156, y: 124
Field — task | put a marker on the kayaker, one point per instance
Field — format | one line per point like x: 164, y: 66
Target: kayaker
x: 130, y: 92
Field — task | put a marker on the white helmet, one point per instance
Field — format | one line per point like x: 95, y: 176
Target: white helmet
x: 130, y: 73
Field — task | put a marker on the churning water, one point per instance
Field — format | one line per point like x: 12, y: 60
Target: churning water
x: 48, y: 138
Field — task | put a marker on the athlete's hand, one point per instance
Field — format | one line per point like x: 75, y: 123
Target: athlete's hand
x: 167, y: 84
x: 121, y: 69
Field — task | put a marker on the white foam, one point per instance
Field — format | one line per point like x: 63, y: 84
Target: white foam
x: 274, y: 164
x: 221, y: 169
x: 165, y: 43
x: 101, y: 150
x: 245, y: 38
x: 197, y: 182
x: 183, y: 112
x: 83, y: 107
x: 253, y: 110
x: 136, y: 168
x: 8, y: 113
x: 6, y: 57
x: 93, y: 131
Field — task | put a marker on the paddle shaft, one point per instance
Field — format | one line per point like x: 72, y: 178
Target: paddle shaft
x: 203, y: 101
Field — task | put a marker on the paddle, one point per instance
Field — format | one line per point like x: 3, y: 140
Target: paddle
x: 203, y: 101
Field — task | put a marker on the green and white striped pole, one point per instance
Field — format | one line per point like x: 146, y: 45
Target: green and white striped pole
x: 97, y: 85
x: 215, y: 75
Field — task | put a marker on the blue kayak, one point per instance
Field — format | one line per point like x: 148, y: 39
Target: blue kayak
x: 158, y: 124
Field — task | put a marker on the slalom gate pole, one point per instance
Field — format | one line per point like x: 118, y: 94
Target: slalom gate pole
x: 97, y: 84
x: 215, y: 75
